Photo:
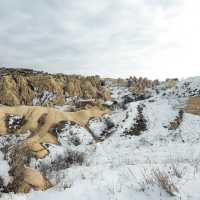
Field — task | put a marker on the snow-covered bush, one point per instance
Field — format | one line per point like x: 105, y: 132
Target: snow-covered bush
x: 62, y: 162
x: 60, y: 127
x: 14, y: 122
x: 142, y: 96
x: 101, y: 128
x: 140, y: 123
x: 44, y: 98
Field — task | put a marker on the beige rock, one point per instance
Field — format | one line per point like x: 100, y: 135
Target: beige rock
x: 21, y: 88
x: 35, y: 179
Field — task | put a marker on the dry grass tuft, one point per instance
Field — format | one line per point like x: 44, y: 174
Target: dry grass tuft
x: 176, y: 170
x: 160, y: 178
x: 177, y: 121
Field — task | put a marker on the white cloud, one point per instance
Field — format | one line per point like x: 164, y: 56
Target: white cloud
x: 175, y: 54
x: 154, y: 38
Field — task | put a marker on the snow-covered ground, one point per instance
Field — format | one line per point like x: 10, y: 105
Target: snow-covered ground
x: 124, y: 167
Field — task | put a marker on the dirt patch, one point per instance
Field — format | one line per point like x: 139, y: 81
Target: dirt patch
x: 42, y: 120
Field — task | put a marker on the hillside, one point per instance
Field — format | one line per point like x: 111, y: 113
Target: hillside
x: 146, y: 146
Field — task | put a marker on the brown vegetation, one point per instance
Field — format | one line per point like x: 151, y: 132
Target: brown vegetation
x: 160, y: 178
x: 140, y: 123
x: 193, y: 105
x: 177, y: 121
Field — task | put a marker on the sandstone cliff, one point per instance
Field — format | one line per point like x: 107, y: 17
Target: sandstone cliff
x: 140, y: 84
x: 27, y: 87
x: 133, y: 83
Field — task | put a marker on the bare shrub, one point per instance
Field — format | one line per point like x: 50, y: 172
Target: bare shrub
x: 5, y: 149
x: 1, y: 185
x: 109, y: 128
x: 58, y: 128
x: 18, y: 157
x: 62, y: 162
x: 160, y: 178
x: 176, y: 170
x: 177, y: 121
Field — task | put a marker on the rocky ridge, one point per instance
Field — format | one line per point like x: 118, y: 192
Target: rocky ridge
x: 28, y: 87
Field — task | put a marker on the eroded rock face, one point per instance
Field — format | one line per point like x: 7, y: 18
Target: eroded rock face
x: 140, y: 84
x: 26, y: 87
x: 24, y: 177
x: 48, y: 127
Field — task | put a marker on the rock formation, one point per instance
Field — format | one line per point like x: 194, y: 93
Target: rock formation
x: 27, y: 87
x: 140, y: 84
x: 39, y: 123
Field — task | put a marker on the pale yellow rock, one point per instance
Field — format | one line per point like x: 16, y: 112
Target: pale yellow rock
x: 21, y: 89
x: 33, y: 113
x: 41, y: 154
x: 35, y: 179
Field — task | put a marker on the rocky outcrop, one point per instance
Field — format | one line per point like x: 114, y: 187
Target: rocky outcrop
x: 140, y: 84
x: 27, y: 87
x: 24, y: 177
x: 40, y: 123
x: 136, y: 85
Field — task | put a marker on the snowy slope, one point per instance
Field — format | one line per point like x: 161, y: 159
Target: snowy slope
x: 186, y: 87
x: 118, y: 166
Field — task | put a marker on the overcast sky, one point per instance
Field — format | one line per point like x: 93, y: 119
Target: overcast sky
x: 118, y: 38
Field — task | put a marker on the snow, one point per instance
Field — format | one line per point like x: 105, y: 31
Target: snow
x: 4, y: 168
x: 114, y: 168
x: 118, y: 92
x: 186, y: 87
x: 9, y: 140
x: 71, y: 132
x: 43, y: 98
x: 14, y: 122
